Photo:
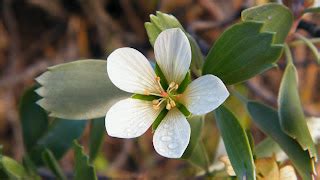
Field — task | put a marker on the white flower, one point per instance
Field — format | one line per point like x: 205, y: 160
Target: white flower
x: 130, y: 71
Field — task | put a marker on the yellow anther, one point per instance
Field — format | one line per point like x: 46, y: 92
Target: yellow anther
x: 168, y: 106
x: 176, y: 86
x: 155, y: 102
x: 172, y: 84
x: 156, y: 107
x: 172, y: 103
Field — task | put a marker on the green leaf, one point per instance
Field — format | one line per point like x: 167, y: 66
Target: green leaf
x: 34, y: 119
x: 242, y: 52
x: 268, y: 121
x: 199, y: 156
x: 184, y: 84
x: 58, y: 138
x: 267, y: 148
x: 312, y: 10
x: 51, y: 162
x: 11, y: 169
x: 163, y: 81
x: 184, y: 110
x: 292, y: 120
x: 160, y: 22
x: 163, y: 21
x: 276, y: 17
x: 144, y: 97
x: 196, y: 124
x: 83, y: 169
x: 311, y: 46
x: 97, y: 134
x: 158, y: 120
x: 78, y: 90
x: 236, y: 143
x: 30, y: 167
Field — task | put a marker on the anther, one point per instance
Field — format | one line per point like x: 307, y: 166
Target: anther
x: 155, y: 102
x: 156, y: 107
x: 172, y: 103
x: 172, y: 84
x: 168, y: 106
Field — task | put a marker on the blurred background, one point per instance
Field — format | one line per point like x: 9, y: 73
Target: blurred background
x: 36, y: 34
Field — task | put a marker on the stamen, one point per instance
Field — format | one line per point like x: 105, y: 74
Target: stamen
x: 168, y: 106
x: 159, y: 84
x: 176, y: 87
x: 157, y: 102
x: 172, y: 103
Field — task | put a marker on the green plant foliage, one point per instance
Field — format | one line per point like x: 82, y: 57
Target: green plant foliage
x: 83, y: 169
x: 97, y: 134
x: 11, y: 169
x: 51, y: 162
x: 196, y: 124
x: 311, y: 46
x: 312, y: 10
x: 78, y: 90
x: 58, y: 138
x: 236, y: 57
x: 236, y: 143
x: 163, y: 21
x: 34, y: 120
x: 267, y: 148
x: 268, y: 121
x: 276, y: 17
x: 292, y: 120
x: 199, y: 156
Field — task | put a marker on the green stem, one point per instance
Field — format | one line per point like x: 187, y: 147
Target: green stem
x: 302, y: 42
x: 288, y: 54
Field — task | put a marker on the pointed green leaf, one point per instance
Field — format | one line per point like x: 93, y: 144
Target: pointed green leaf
x: 242, y: 52
x: 51, y: 162
x: 83, y: 169
x: 196, y: 124
x: 292, y: 120
x: 97, y: 134
x: 34, y: 120
x: 276, y: 17
x: 11, y: 169
x: 268, y: 121
x: 58, y: 138
x: 163, y: 21
x: 30, y: 168
x: 78, y: 90
x: 236, y: 143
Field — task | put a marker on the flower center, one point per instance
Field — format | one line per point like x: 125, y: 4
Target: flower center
x: 168, y: 96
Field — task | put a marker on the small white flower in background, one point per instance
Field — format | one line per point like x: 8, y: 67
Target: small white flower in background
x: 130, y: 71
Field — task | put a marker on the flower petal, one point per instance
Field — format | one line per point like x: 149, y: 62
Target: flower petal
x: 130, y: 118
x: 172, y: 135
x: 204, y: 94
x: 173, y: 54
x: 130, y: 71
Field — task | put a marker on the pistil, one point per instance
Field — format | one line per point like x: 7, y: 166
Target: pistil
x: 168, y: 95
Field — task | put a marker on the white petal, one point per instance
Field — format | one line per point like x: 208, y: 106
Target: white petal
x: 173, y: 54
x: 204, y: 94
x: 130, y: 118
x: 172, y: 135
x: 130, y: 71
